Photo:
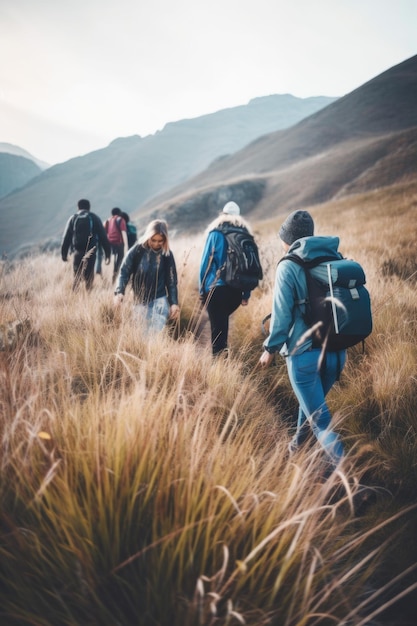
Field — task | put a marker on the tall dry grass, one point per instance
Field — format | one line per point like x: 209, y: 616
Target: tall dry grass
x: 143, y: 482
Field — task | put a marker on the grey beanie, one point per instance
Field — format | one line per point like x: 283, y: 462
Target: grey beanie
x: 298, y: 224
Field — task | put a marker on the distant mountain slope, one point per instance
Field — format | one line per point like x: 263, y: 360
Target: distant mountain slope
x: 131, y: 170
x: 15, y: 172
x: 10, y: 148
x: 364, y: 140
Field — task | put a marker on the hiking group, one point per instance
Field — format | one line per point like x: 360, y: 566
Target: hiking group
x: 320, y: 305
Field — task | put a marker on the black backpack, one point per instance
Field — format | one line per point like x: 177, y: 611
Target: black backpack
x: 242, y: 268
x: 82, y: 232
x: 338, y: 305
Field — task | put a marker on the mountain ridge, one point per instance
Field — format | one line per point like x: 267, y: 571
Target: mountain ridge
x: 330, y: 152
x: 131, y: 170
x: 15, y: 172
x: 363, y: 141
x: 10, y: 148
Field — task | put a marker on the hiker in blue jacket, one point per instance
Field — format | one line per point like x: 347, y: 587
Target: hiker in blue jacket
x: 150, y: 263
x: 220, y: 299
x: 312, y: 373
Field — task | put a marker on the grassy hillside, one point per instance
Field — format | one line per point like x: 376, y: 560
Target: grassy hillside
x: 144, y: 483
x: 355, y: 166
x: 361, y: 142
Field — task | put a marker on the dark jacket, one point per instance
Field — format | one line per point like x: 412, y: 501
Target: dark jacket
x: 153, y: 275
x: 99, y: 236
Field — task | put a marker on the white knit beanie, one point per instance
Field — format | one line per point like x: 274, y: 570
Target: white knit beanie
x: 231, y: 208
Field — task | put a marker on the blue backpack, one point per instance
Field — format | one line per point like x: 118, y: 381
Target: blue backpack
x: 132, y: 235
x: 338, y: 305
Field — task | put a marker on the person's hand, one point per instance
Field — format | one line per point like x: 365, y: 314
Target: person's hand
x: 64, y: 258
x: 107, y: 261
x: 118, y: 299
x: 174, y: 311
x: 244, y: 302
x: 266, y: 359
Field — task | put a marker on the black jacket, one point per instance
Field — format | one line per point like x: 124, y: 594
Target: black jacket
x: 153, y: 275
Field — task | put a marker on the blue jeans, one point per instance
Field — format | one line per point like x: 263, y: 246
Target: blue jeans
x: 154, y: 314
x: 311, y: 383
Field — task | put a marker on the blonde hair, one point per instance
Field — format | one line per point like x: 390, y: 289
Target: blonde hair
x: 234, y: 220
x: 156, y: 227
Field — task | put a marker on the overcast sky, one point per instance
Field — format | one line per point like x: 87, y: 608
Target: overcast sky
x: 76, y: 75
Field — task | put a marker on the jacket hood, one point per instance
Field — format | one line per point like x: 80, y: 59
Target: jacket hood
x: 233, y: 220
x: 310, y: 248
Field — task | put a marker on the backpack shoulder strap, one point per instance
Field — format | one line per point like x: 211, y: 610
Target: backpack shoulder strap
x: 221, y: 230
x: 292, y: 257
x: 309, y: 264
x: 263, y: 322
x: 93, y: 229
x: 227, y: 228
x: 209, y: 264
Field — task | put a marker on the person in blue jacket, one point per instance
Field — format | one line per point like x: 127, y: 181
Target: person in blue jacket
x: 312, y: 373
x: 220, y: 299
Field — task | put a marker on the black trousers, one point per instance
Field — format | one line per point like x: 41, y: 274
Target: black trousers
x: 83, y: 265
x: 117, y: 250
x: 221, y: 303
